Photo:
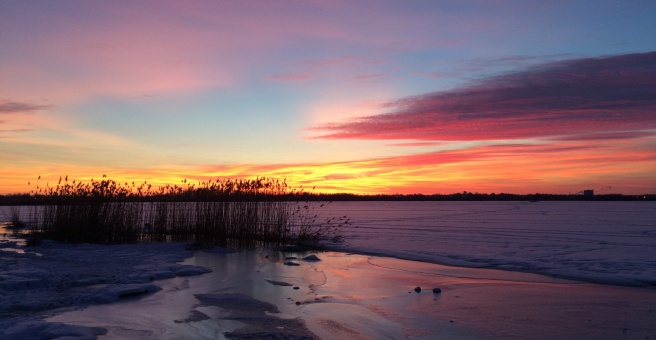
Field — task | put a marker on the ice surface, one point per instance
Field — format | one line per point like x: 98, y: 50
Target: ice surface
x: 144, y: 291
x: 363, y: 297
x: 605, y: 242
x: 39, y: 330
x: 74, y: 276
x: 242, y: 297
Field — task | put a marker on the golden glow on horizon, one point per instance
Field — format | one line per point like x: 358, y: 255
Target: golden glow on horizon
x: 486, y: 169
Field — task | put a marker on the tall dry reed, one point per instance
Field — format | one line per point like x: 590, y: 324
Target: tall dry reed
x: 225, y: 212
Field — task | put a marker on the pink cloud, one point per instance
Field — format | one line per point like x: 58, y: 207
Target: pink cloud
x: 78, y: 51
x: 572, y: 97
x: 421, y: 144
x: 606, y: 136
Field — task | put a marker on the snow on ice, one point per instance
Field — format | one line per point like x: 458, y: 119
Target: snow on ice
x: 52, y: 277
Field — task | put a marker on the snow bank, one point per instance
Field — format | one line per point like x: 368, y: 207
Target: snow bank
x: 53, y: 276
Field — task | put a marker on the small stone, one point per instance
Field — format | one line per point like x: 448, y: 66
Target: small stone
x: 298, y: 303
x: 297, y: 288
x: 290, y: 263
x: 437, y: 290
x: 311, y: 258
x: 418, y: 289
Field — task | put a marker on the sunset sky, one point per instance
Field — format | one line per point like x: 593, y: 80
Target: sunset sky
x: 348, y: 96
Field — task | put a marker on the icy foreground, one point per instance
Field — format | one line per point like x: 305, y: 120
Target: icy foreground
x: 254, y: 295
x: 604, y: 242
x: 143, y: 291
x: 52, y: 277
x: 163, y: 291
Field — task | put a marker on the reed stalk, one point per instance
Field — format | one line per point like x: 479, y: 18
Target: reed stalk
x: 224, y: 212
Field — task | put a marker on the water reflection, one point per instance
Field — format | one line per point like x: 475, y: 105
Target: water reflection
x: 11, y: 239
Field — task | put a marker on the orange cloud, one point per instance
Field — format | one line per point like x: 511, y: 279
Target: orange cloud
x: 627, y: 165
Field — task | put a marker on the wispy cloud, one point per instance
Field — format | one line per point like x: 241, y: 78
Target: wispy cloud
x: 512, y: 62
x: 289, y: 77
x: 415, y: 144
x: 370, y: 76
x: 9, y: 107
x: 15, y: 130
x: 348, y: 60
x: 357, y: 68
x: 571, y: 97
x: 608, y: 136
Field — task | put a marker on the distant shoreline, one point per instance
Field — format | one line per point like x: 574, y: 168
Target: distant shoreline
x: 26, y: 199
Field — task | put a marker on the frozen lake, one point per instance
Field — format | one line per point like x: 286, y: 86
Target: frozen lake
x: 85, y: 291
x: 604, y: 242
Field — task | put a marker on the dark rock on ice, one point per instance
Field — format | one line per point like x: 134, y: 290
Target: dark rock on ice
x: 437, y: 290
x: 418, y: 289
x: 290, y: 263
x: 279, y: 283
x: 311, y: 258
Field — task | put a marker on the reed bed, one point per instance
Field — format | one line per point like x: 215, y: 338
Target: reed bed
x: 220, y: 212
x: 15, y: 219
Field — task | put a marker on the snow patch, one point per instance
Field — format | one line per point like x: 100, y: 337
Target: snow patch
x: 66, y: 276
